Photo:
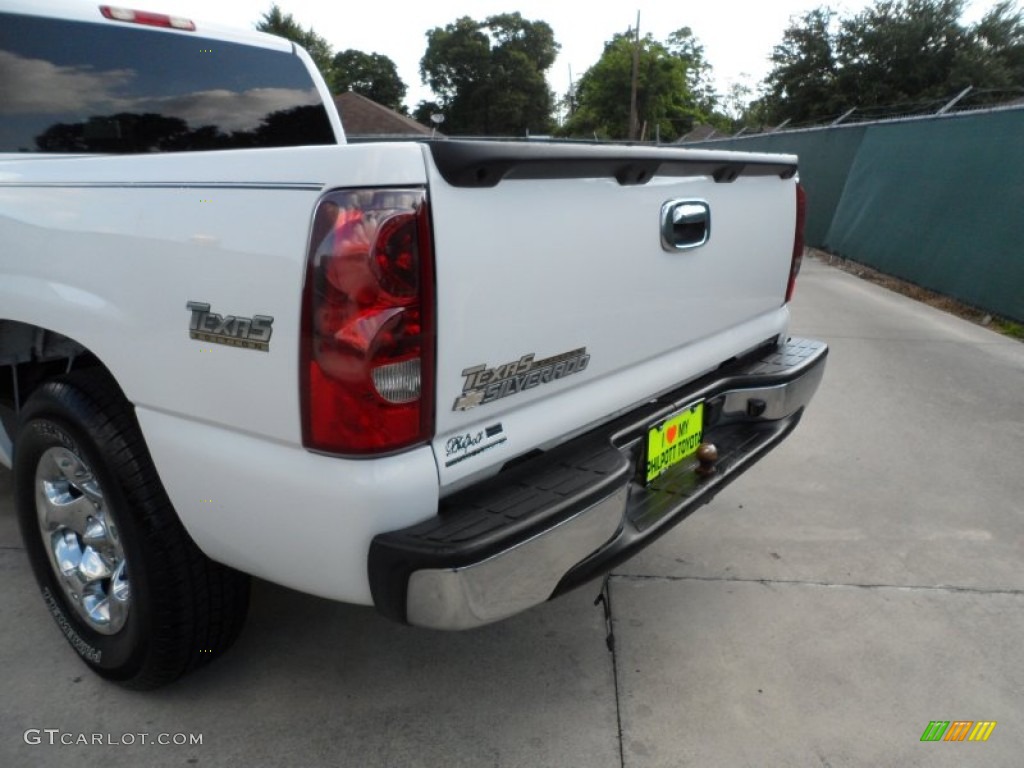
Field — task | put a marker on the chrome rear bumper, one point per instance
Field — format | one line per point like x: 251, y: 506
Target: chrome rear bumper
x: 564, y: 517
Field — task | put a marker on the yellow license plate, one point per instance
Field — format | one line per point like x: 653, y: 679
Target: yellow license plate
x: 674, y: 440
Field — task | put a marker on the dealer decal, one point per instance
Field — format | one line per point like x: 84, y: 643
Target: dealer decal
x: 469, y: 444
x: 245, y: 332
x: 484, y: 385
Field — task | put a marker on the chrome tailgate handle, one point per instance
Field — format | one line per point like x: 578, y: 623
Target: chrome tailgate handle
x: 685, y: 224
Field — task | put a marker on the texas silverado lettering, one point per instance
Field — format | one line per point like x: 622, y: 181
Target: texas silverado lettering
x: 484, y: 385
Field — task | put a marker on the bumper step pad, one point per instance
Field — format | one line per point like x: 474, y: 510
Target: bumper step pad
x: 557, y: 519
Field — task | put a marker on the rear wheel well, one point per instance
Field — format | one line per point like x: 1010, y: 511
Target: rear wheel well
x: 29, y: 357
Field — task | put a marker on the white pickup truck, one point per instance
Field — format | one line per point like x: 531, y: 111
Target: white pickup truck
x: 452, y: 379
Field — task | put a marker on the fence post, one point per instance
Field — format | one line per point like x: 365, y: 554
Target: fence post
x: 953, y: 102
x: 843, y: 116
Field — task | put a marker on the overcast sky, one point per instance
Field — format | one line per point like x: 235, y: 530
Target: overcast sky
x: 737, y: 35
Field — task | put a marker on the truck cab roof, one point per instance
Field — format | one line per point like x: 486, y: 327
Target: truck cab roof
x: 78, y: 10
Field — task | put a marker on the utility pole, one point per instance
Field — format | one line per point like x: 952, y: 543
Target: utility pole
x: 633, y: 118
x: 572, y: 94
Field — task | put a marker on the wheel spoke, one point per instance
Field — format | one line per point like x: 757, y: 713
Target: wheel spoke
x: 93, y: 567
x: 62, y: 510
x: 95, y: 535
x: 91, y: 490
x: 72, y: 467
x: 67, y: 554
x: 97, y: 606
x: 117, y: 610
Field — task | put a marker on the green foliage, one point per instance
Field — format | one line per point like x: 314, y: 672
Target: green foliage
x: 673, y: 89
x: 489, y: 76
x: 372, y: 75
x: 1009, y: 328
x: 699, y: 78
x: 423, y: 112
x: 996, y: 58
x: 893, y: 52
x: 276, y: 22
x: 900, y: 51
x: 802, y: 82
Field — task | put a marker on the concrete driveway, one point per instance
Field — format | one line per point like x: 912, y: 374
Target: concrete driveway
x: 862, y: 581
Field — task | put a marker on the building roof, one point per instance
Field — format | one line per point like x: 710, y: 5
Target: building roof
x: 361, y: 116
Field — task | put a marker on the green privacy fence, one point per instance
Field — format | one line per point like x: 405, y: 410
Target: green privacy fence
x: 938, y: 201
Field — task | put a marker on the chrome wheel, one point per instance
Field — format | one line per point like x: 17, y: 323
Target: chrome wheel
x: 133, y: 595
x: 82, y: 540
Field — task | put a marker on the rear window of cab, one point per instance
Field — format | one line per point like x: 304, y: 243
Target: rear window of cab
x: 72, y: 86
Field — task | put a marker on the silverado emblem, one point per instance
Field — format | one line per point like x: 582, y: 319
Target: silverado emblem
x: 245, y: 332
x: 484, y: 385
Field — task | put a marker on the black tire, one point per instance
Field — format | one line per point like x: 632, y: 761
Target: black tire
x: 184, y: 609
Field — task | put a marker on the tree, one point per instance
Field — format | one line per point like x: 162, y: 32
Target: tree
x: 995, y: 60
x: 425, y: 110
x: 699, y: 74
x: 372, y: 75
x: 666, y: 103
x: 489, y: 77
x: 282, y: 24
x: 802, y: 83
x: 900, y: 51
x: 909, y: 53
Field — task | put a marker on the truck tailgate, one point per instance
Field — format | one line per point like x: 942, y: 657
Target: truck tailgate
x: 559, y: 304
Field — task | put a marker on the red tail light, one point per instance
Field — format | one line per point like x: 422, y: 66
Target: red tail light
x: 798, y: 242
x: 367, y: 362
